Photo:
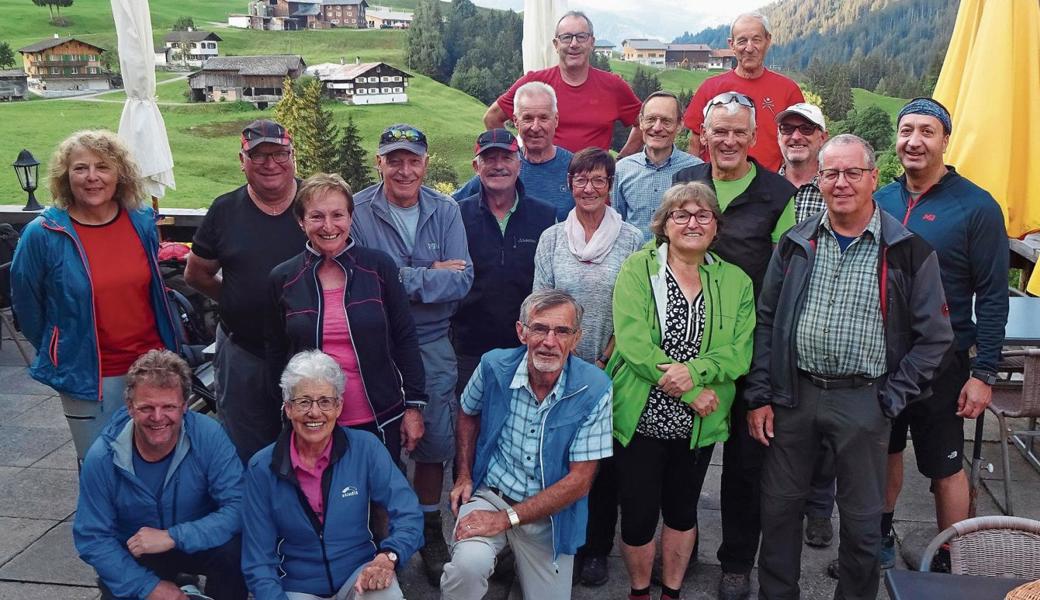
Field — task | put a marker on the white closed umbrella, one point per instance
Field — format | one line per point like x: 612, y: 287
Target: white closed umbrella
x: 141, y: 126
x: 540, y: 18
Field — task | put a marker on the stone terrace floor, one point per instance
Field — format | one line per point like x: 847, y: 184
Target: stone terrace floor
x: 38, y: 488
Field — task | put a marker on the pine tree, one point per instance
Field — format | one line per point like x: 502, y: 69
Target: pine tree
x: 6, y: 56
x: 287, y: 111
x: 837, y: 94
x: 425, y: 41
x: 353, y: 160
x: 644, y: 83
x: 317, y: 137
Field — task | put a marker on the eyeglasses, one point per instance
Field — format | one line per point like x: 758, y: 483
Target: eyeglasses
x: 402, y: 133
x: 805, y: 128
x: 598, y: 183
x: 682, y: 217
x: 540, y: 331
x: 851, y: 175
x: 304, y: 404
x: 279, y: 156
x: 567, y: 38
x: 727, y: 98
x: 721, y: 133
x: 664, y: 121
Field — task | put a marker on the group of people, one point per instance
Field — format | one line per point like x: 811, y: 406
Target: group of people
x: 570, y: 337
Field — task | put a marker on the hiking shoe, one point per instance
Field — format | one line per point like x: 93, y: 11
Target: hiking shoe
x: 734, y: 586
x: 434, y: 552
x: 818, y: 531
x: 887, y: 554
x: 594, y: 571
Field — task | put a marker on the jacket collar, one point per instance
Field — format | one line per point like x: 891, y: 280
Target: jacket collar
x: 946, y: 180
x: 122, y: 445
x: 892, y: 231
x: 281, y: 461
x: 505, y: 371
x: 310, y: 249
x: 520, y: 195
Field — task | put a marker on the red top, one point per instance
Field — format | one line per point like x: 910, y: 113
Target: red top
x: 772, y: 93
x: 121, y: 278
x: 310, y: 479
x: 336, y: 342
x: 587, y: 111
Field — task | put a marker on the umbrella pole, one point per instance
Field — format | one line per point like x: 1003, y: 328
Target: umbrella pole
x: 155, y: 209
x: 975, y: 477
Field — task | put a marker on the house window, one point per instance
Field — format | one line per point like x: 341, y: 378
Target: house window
x: 385, y: 79
x: 395, y: 78
x: 398, y: 90
x: 361, y: 91
x: 92, y: 57
x: 387, y: 90
x: 92, y: 70
x: 55, y: 70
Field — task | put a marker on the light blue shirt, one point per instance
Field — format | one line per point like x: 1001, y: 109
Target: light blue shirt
x: 639, y: 185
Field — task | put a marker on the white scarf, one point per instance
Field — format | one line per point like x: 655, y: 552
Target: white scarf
x: 597, y: 248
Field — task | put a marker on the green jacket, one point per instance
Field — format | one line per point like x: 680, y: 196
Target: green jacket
x: 639, y: 308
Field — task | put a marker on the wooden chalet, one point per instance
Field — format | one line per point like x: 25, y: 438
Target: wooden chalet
x: 254, y: 79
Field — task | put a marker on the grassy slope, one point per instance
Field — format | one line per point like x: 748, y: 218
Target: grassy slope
x: 203, y: 138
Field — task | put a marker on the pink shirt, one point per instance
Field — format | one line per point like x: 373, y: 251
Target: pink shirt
x: 335, y: 341
x: 310, y: 479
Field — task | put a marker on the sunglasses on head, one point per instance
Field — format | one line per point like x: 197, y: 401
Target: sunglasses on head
x: 727, y: 98
x: 404, y: 133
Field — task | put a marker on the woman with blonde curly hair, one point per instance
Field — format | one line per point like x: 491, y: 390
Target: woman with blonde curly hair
x: 85, y: 281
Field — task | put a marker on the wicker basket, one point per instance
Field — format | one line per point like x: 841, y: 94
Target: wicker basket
x: 1029, y: 591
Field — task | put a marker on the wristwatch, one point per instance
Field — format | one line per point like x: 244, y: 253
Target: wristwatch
x: 514, y: 519
x: 391, y: 555
x: 418, y: 407
x: 984, y: 377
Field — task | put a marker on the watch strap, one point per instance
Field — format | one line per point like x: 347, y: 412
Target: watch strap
x: 514, y: 519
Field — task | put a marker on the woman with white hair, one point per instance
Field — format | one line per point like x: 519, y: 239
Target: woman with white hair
x: 306, y: 510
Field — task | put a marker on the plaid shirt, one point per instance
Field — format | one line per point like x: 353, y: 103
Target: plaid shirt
x: 639, y: 185
x: 840, y: 331
x: 808, y: 200
x: 514, y: 467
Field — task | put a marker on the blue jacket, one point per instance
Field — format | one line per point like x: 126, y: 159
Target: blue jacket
x: 52, y: 295
x: 965, y: 226
x: 585, y: 385
x: 439, y: 236
x: 285, y: 548
x: 503, y: 267
x: 199, y: 504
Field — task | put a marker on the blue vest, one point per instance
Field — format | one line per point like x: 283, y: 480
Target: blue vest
x: 584, y: 386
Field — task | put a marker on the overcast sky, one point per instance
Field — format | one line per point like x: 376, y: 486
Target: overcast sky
x: 662, y: 19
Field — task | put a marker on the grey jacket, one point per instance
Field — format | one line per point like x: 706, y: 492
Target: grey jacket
x: 434, y: 293
x: 916, y: 318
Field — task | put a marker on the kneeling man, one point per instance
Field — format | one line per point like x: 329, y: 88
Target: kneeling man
x: 160, y: 492
x: 534, y: 421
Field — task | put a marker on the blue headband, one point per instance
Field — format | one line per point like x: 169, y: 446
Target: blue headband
x: 930, y: 108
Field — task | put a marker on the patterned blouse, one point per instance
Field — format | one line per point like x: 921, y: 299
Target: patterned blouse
x: 665, y: 417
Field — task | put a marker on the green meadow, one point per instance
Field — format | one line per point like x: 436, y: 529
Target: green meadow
x: 204, y: 137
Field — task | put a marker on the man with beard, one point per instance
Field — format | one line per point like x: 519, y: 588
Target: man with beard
x: 544, y: 421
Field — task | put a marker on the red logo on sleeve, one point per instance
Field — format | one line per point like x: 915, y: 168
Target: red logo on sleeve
x: 928, y: 216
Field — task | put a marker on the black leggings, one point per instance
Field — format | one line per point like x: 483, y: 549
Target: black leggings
x: 658, y: 478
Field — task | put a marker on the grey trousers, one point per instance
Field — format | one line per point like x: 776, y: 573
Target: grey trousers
x: 252, y: 419
x: 851, y: 423
x: 88, y: 417
x: 473, y: 559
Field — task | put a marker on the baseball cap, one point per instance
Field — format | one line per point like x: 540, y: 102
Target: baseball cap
x: 495, y: 138
x: 264, y: 131
x: 809, y: 112
x: 402, y: 137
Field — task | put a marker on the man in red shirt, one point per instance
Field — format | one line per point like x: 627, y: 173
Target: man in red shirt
x: 771, y: 92
x: 589, y: 100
